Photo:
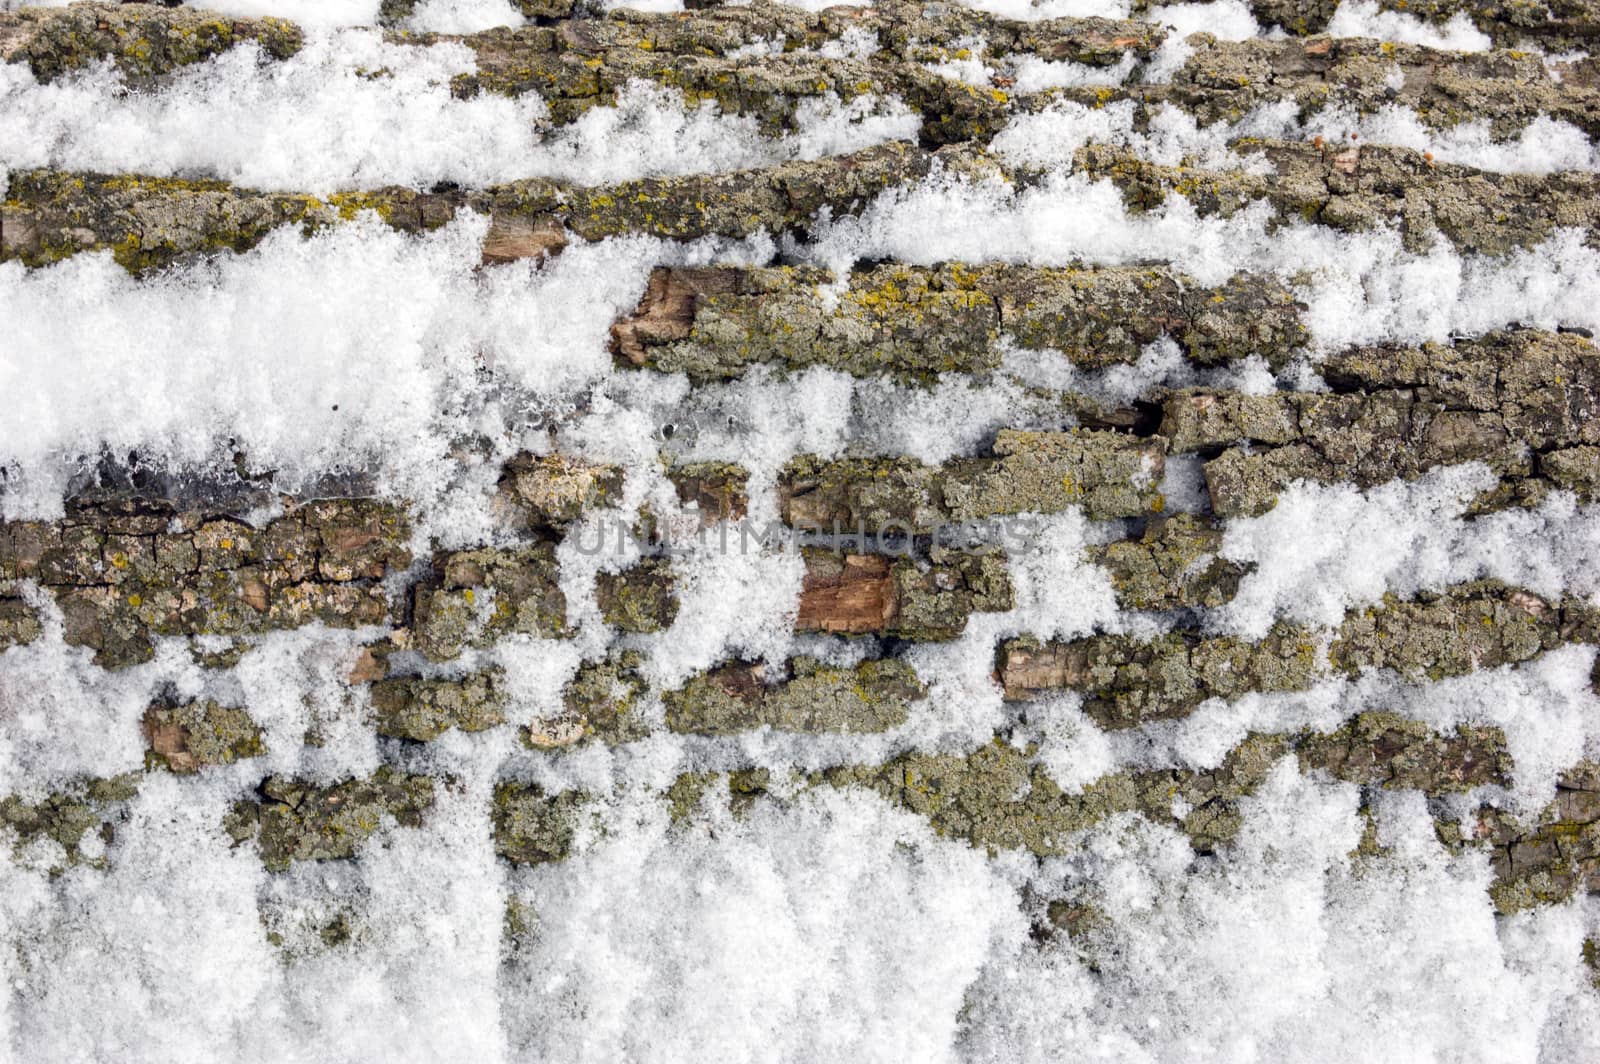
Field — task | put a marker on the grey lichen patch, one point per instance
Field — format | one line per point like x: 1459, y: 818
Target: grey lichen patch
x: 780, y: 199
x: 150, y: 222
x: 187, y: 737
x: 65, y: 817
x: 533, y: 827
x: 640, y: 598
x: 806, y: 696
x: 1174, y: 564
x: 293, y: 820
x: 1108, y: 315
x: 858, y: 594
x: 424, y: 709
x: 744, y: 788
x: 870, y: 493
x: 915, y: 322
x: 1387, y: 750
x: 601, y: 704
x: 142, y: 41
x: 1480, y: 625
x: 1108, y: 474
x: 581, y: 64
x: 1359, y: 187
x: 19, y: 622
x: 549, y: 492
x: 1506, y: 399
x: 998, y: 797
x: 1550, y: 860
x: 124, y: 572
x: 475, y: 597
x: 1127, y: 680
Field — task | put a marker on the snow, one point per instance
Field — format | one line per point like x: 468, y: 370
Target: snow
x: 328, y: 123
x: 321, y: 121
x: 1030, y: 10
x: 836, y: 928
x: 1363, y: 18
x: 820, y: 923
x: 463, y: 16
x: 1226, y: 20
x: 1049, y: 137
x: 828, y: 926
x: 1326, y: 549
x: 1285, y: 949
x: 1360, y: 287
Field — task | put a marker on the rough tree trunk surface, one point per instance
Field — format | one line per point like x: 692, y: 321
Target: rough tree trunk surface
x: 1161, y: 472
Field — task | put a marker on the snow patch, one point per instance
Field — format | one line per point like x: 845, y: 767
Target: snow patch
x: 321, y: 120
x: 836, y: 928
x: 1363, y: 18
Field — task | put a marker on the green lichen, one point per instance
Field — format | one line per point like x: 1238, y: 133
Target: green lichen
x: 1505, y: 399
x: 532, y: 827
x: 144, y: 42
x: 640, y: 598
x: 719, y: 490
x: 480, y: 596
x: 293, y: 820
x: 1128, y: 680
x: 1108, y: 474
x: 808, y: 697
x: 1387, y: 750
x: 550, y: 492
x: 424, y: 709
x: 123, y: 573
x: 601, y: 703
x: 190, y: 736
x: 934, y: 601
x: 916, y: 323
x: 1173, y: 565
x: 19, y: 624
x: 1358, y: 189
x: 65, y: 817
x: 742, y: 789
x: 999, y: 798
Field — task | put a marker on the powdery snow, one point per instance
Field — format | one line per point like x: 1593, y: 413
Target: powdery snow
x: 320, y: 121
x: 819, y: 924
